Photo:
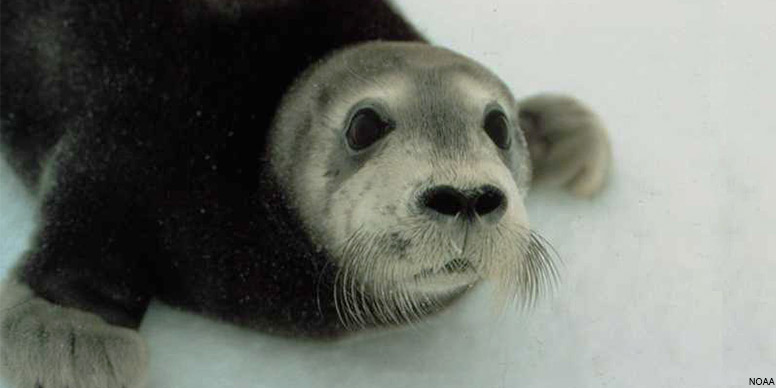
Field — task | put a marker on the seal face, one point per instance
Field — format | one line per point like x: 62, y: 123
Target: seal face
x: 240, y: 159
x: 406, y: 163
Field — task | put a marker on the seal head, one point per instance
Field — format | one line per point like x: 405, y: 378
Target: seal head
x: 406, y: 163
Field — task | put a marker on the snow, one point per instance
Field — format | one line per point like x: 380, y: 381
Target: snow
x: 670, y: 274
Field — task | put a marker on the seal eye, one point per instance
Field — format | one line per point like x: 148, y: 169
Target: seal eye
x: 497, y: 127
x: 366, y: 127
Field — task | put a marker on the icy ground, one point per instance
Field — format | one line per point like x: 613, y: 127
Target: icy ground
x: 670, y: 275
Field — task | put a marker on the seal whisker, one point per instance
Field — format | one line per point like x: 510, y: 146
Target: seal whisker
x: 365, y: 177
x: 527, y: 273
x: 337, y: 298
x: 374, y: 286
x: 319, y: 282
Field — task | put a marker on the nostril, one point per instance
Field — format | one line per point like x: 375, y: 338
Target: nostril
x: 488, y: 200
x: 446, y: 200
x: 458, y: 265
x: 449, y: 201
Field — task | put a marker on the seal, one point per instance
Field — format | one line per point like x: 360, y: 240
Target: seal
x: 304, y: 176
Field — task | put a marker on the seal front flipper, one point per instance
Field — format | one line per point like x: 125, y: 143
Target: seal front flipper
x: 568, y: 143
x: 70, y: 310
x: 46, y: 345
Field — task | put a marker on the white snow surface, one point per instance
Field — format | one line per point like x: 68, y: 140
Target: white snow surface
x: 670, y: 274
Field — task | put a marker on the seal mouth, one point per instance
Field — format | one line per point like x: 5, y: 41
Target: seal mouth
x: 454, y: 275
x: 452, y: 267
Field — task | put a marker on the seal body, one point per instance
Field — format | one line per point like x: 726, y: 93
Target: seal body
x: 154, y: 119
x: 299, y: 167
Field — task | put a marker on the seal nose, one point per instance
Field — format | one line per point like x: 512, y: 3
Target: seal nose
x: 448, y: 201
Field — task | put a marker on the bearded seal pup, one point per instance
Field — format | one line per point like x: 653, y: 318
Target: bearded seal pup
x: 305, y: 168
